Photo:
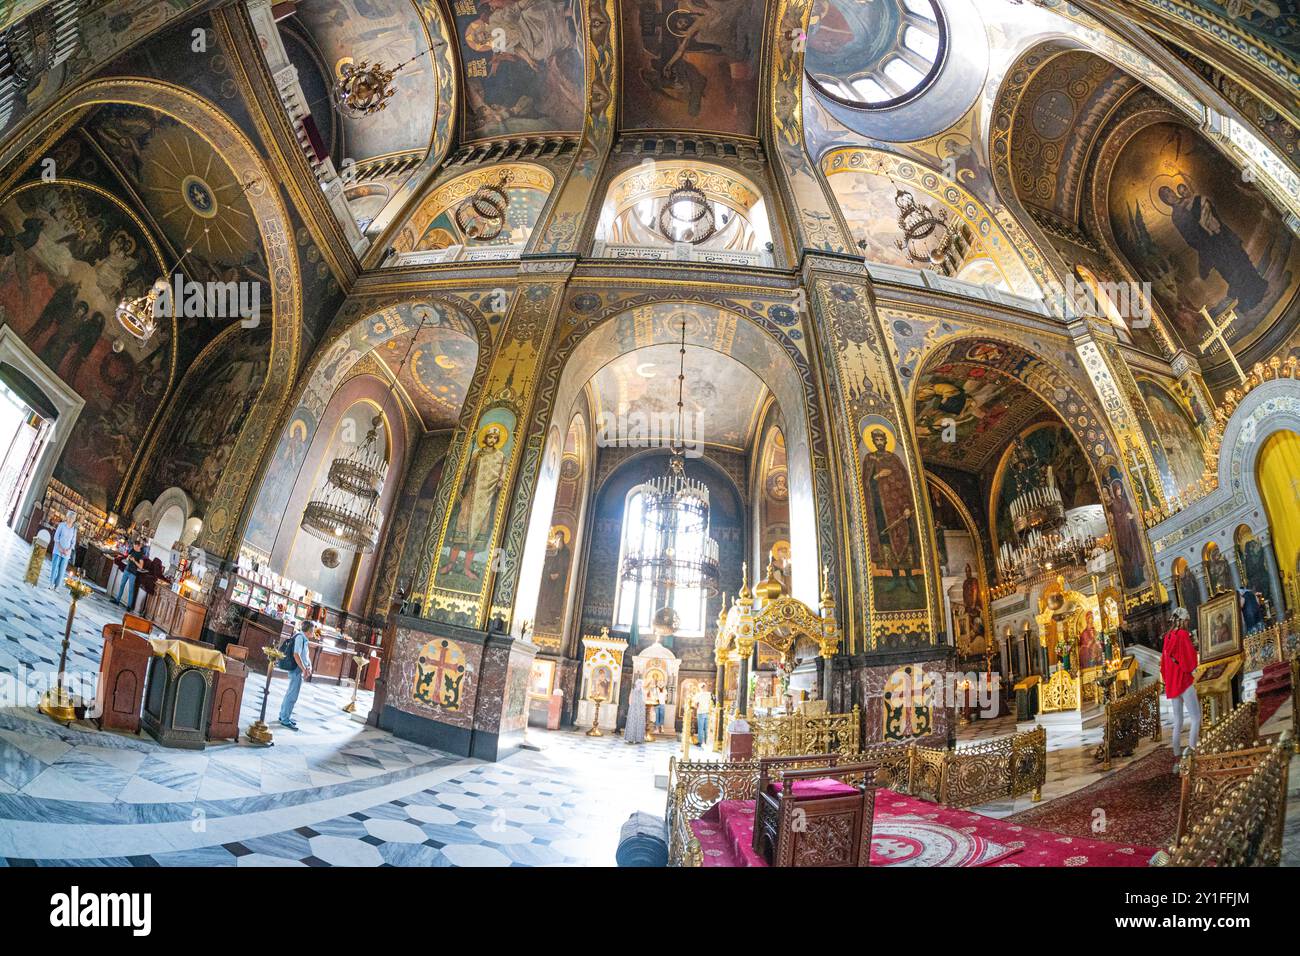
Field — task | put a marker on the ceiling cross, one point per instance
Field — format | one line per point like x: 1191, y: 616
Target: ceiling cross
x: 1219, y: 326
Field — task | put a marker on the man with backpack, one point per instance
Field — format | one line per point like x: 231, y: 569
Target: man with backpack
x: 297, y: 663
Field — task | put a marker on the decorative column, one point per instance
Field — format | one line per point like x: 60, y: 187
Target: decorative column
x: 891, y: 571
x: 1123, y: 404
x: 744, y: 641
x: 473, y: 572
x: 830, y: 636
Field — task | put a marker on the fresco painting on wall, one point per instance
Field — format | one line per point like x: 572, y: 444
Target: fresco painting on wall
x: 691, y: 64
x: 1172, y: 438
x: 1252, y: 563
x: 523, y: 65
x: 195, y: 448
x: 1183, y: 217
x: 897, y: 577
x: 464, y: 557
x: 68, y: 254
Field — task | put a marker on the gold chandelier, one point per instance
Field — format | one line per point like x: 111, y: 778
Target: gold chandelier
x: 345, y: 509
x: 139, y: 316
x: 687, y: 215
x: 364, y: 89
x: 482, y: 216
x: 928, y: 236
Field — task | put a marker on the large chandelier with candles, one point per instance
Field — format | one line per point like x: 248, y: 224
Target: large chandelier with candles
x: 364, y: 89
x: 345, y: 511
x: 679, y: 552
x: 928, y: 237
x: 481, y: 217
x: 139, y: 316
x: 1043, y: 540
x: 687, y: 215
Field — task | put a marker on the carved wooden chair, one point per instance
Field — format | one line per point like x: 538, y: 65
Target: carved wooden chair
x: 814, y: 811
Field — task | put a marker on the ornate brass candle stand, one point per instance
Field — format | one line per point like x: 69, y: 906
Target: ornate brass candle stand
x: 649, y: 723
x: 361, y: 661
x: 259, y: 733
x: 598, y: 699
x: 57, y: 703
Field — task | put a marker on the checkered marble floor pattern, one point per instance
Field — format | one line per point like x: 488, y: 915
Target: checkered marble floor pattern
x: 336, y: 793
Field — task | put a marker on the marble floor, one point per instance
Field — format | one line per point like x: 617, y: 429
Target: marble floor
x: 336, y: 793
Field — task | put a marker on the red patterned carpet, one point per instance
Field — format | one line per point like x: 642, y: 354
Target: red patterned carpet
x: 1138, y: 804
x: 1273, y: 691
x: 911, y: 832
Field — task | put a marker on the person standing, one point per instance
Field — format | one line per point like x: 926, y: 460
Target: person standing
x: 298, y: 664
x: 64, y: 547
x: 131, y: 571
x: 703, y: 705
x: 660, y: 697
x: 1178, y: 660
x: 634, y: 728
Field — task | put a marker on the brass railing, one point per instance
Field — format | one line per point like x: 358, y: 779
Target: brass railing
x: 1132, y: 717
x: 1274, y: 644
x: 979, y: 772
x: 693, y: 787
x: 1295, y: 701
x: 1234, y: 731
x: 1243, y: 823
x: 793, y: 734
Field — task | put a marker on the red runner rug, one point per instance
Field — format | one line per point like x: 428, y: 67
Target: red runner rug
x: 1137, y: 804
x: 1273, y: 691
x: 911, y: 832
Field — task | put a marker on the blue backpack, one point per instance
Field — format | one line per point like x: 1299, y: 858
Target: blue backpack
x: 287, y: 663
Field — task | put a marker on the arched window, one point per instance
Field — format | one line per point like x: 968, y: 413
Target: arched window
x: 642, y: 595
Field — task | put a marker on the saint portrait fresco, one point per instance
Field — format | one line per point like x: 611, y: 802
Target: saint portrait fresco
x: 1183, y: 217
x: 523, y: 66
x: 464, y: 558
x: 1172, y: 437
x: 897, y: 576
x: 195, y: 448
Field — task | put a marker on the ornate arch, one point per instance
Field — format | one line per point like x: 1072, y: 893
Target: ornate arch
x: 1002, y: 240
x: 1059, y: 393
x: 349, y: 341
x: 276, y: 233
x: 585, y: 310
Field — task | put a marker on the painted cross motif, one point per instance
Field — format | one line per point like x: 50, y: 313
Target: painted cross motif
x: 439, y: 674
x: 1219, y: 326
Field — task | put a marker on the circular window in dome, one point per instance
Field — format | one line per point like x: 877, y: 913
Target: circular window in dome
x: 874, y: 54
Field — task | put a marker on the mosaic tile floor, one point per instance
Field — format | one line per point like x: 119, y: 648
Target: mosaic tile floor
x: 337, y: 793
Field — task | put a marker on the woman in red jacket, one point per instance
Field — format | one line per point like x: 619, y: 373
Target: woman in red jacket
x: 1177, y: 661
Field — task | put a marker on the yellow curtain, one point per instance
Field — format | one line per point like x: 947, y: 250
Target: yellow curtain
x: 1277, y: 470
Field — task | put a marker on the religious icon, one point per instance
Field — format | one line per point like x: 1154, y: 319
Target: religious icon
x: 1218, y: 575
x: 1090, y: 649
x: 440, y: 670
x: 891, y: 523
x: 1128, y: 536
x: 907, y: 703
x: 555, y: 579
x: 1220, y: 628
x: 1253, y: 563
x: 469, y: 531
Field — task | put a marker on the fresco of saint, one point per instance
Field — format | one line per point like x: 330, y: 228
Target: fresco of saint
x: 470, y: 529
x: 891, y: 513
